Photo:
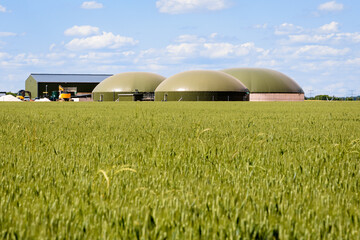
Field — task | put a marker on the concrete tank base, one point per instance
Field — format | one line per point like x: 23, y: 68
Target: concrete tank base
x: 258, y: 97
x: 201, y: 96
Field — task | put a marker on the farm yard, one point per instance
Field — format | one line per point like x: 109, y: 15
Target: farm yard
x: 180, y: 170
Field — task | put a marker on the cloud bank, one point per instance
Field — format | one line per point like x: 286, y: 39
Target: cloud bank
x: 187, y: 6
x: 91, y: 5
x: 84, y: 30
x: 105, y: 40
x: 331, y: 6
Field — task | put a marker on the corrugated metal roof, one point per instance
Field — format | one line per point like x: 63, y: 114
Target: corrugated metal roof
x: 64, y: 78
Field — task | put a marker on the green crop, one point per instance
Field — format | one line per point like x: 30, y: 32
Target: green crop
x: 180, y: 170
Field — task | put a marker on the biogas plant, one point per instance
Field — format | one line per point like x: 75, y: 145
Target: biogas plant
x: 234, y: 84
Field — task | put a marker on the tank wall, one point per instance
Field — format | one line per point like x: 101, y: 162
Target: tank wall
x: 258, y: 97
x: 123, y: 96
x: 201, y: 96
x: 112, y: 96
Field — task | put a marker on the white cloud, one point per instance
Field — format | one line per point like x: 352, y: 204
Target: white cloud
x: 152, y: 67
x: 148, y: 52
x: 309, y: 58
x: 287, y: 28
x: 84, y: 30
x: 305, y: 38
x: 196, y: 39
x: 218, y: 50
x: 225, y: 50
x: 320, y: 51
x: 355, y: 61
x: 214, y: 35
x: 2, y: 8
x: 328, y: 33
x: 261, y: 26
x: 60, y: 55
x: 331, y: 37
x: 105, y: 57
x: 91, y: 5
x: 331, y: 6
x: 353, y: 37
x: 105, y: 40
x: 185, y: 6
x: 4, y: 55
x: 208, y: 49
x: 267, y: 64
x: 189, y: 38
x: 52, y: 46
x: 43, y: 61
x: 329, y: 28
x: 128, y: 53
x: 193, y: 46
x: 7, y: 34
x: 182, y: 50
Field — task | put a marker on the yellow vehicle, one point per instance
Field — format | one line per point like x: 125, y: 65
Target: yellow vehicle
x: 21, y: 95
x: 64, y: 96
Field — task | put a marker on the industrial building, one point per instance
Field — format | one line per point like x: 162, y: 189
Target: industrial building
x: 128, y: 86
x: 267, y: 85
x: 42, y: 85
x: 234, y: 84
x: 201, y: 85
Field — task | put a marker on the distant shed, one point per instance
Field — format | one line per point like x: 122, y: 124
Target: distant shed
x: 38, y: 83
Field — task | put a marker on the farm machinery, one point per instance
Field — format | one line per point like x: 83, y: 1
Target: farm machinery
x: 60, y: 95
x: 21, y: 95
x: 64, y: 96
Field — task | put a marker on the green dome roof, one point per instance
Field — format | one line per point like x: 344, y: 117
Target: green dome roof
x: 259, y: 80
x: 129, y: 81
x: 201, y: 81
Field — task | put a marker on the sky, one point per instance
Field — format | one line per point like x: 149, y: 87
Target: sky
x: 315, y: 42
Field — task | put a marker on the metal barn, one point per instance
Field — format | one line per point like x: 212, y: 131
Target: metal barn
x: 41, y: 85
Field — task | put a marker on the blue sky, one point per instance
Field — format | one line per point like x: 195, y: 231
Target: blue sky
x: 314, y: 42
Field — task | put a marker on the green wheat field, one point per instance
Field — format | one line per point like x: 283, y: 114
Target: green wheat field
x: 180, y: 170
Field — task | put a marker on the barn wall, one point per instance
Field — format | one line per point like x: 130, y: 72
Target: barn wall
x: 31, y: 86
